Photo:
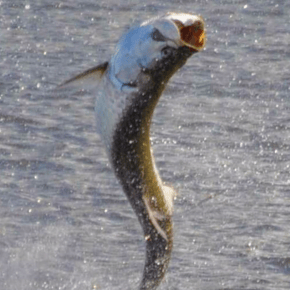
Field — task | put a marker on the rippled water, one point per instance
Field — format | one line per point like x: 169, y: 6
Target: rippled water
x: 220, y: 135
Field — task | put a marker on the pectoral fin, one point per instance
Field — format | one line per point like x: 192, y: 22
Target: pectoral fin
x: 87, y: 79
x: 154, y: 216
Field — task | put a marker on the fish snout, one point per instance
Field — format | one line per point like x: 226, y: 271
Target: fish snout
x: 191, y: 30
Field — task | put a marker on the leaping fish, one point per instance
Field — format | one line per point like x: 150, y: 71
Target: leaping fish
x: 127, y: 89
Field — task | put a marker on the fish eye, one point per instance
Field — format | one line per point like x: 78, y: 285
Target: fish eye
x: 157, y: 35
x: 167, y: 51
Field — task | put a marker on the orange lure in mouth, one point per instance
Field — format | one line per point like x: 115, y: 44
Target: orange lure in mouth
x: 192, y: 30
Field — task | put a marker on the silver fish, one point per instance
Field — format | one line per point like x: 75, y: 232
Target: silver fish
x: 127, y: 89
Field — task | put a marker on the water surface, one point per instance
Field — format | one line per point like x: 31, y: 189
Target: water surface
x: 220, y: 136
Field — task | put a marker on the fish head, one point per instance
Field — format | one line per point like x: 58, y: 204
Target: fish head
x: 156, y: 49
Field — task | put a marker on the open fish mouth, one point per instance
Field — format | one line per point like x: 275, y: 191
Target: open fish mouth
x: 191, y: 29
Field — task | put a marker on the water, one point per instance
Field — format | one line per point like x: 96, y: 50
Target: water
x: 220, y: 136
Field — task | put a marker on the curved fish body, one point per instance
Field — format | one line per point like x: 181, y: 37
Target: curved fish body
x: 127, y: 90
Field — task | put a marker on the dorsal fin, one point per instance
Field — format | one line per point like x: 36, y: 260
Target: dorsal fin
x: 86, y: 79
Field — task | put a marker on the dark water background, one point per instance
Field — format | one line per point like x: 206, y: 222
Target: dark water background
x: 220, y: 136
